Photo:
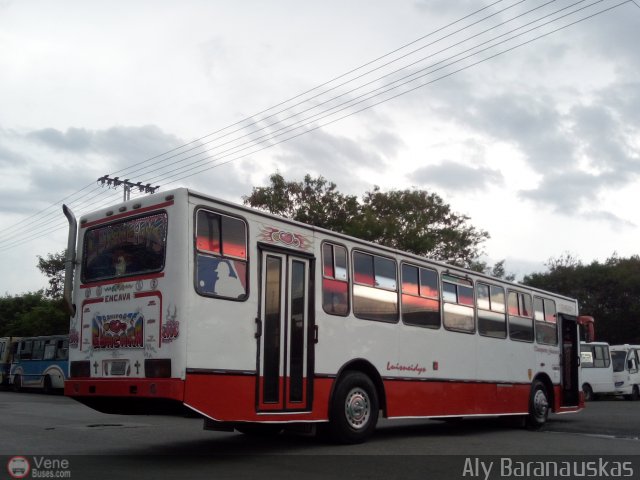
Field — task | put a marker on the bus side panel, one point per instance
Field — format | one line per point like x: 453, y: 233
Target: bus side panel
x: 435, y: 399
x: 232, y: 398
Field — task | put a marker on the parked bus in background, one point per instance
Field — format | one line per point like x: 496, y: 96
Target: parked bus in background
x: 182, y: 301
x: 7, y: 348
x: 40, y: 362
x: 596, y: 372
x: 626, y: 374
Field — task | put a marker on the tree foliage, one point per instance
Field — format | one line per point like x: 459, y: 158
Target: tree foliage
x: 32, y: 314
x: 415, y: 221
x: 609, y: 291
x: 53, y: 267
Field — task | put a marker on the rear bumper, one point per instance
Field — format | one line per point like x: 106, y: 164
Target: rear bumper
x: 168, y: 388
x: 131, y: 396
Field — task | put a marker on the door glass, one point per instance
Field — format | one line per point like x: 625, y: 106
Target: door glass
x: 272, y: 316
x: 298, y: 315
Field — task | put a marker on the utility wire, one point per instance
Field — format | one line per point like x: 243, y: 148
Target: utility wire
x: 188, y: 174
x: 318, y: 87
x: 308, y: 99
x: 22, y: 225
x: 400, y: 94
x: 293, y: 115
x: 368, y: 95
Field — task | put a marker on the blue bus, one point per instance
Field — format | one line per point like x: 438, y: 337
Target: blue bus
x: 40, y: 362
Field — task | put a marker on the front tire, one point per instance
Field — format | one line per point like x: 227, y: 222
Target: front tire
x: 354, y: 410
x: 635, y: 394
x: 588, y: 393
x: 538, y: 406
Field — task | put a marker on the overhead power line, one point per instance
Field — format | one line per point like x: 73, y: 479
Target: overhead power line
x: 274, y: 136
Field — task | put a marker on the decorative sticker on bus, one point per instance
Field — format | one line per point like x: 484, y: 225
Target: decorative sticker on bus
x: 119, y: 330
x: 283, y: 237
x: 74, y: 338
x: 221, y: 277
x: 414, y: 368
x: 171, y: 328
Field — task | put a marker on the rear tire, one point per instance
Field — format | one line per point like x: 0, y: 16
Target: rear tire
x: 588, y: 393
x: 538, y: 406
x: 17, y: 383
x: 354, y: 409
x: 47, y: 385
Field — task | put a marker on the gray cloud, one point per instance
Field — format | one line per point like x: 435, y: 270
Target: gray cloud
x: 337, y: 156
x: 606, y: 143
x: 456, y: 176
x: 557, y: 144
x: 572, y: 193
x: 9, y: 156
x: 123, y: 146
x: 75, y: 140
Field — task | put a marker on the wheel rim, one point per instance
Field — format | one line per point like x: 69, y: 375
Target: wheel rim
x: 540, y: 404
x: 357, y: 408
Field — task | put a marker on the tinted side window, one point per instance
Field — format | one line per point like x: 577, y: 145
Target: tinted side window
x: 375, y: 289
x: 520, y: 317
x: 457, y: 295
x: 546, y: 323
x: 335, y: 282
x: 221, y: 256
x: 420, y: 299
x: 492, y: 321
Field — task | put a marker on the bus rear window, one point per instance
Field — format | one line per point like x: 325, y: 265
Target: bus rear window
x: 129, y: 247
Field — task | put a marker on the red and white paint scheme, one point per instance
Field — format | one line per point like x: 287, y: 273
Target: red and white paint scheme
x: 182, y: 301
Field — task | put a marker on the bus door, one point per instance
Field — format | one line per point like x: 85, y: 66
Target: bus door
x: 570, y: 361
x: 285, y: 339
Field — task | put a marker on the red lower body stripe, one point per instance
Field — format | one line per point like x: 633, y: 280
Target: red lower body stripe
x: 230, y: 398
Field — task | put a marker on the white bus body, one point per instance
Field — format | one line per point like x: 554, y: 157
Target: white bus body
x: 183, y: 300
x: 596, y: 370
x: 626, y: 373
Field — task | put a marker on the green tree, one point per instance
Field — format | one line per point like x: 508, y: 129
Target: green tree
x: 32, y: 314
x: 609, y: 291
x: 53, y: 267
x: 315, y: 201
x: 415, y: 221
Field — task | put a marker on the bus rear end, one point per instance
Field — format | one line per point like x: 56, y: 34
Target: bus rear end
x: 126, y: 352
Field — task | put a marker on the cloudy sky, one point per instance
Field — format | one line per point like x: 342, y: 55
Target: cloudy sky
x: 522, y: 114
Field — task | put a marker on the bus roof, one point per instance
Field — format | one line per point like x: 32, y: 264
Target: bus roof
x: 161, y: 197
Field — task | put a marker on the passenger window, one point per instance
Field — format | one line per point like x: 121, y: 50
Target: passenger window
x: 457, y: 295
x: 375, y: 288
x: 221, y: 256
x: 420, y: 302
x: 335, y: 283
x: 546, y: 323
x: 520, y: 317
x: 492, y: 321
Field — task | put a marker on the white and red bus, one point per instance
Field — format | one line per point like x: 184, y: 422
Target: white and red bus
x: 182, y: 301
